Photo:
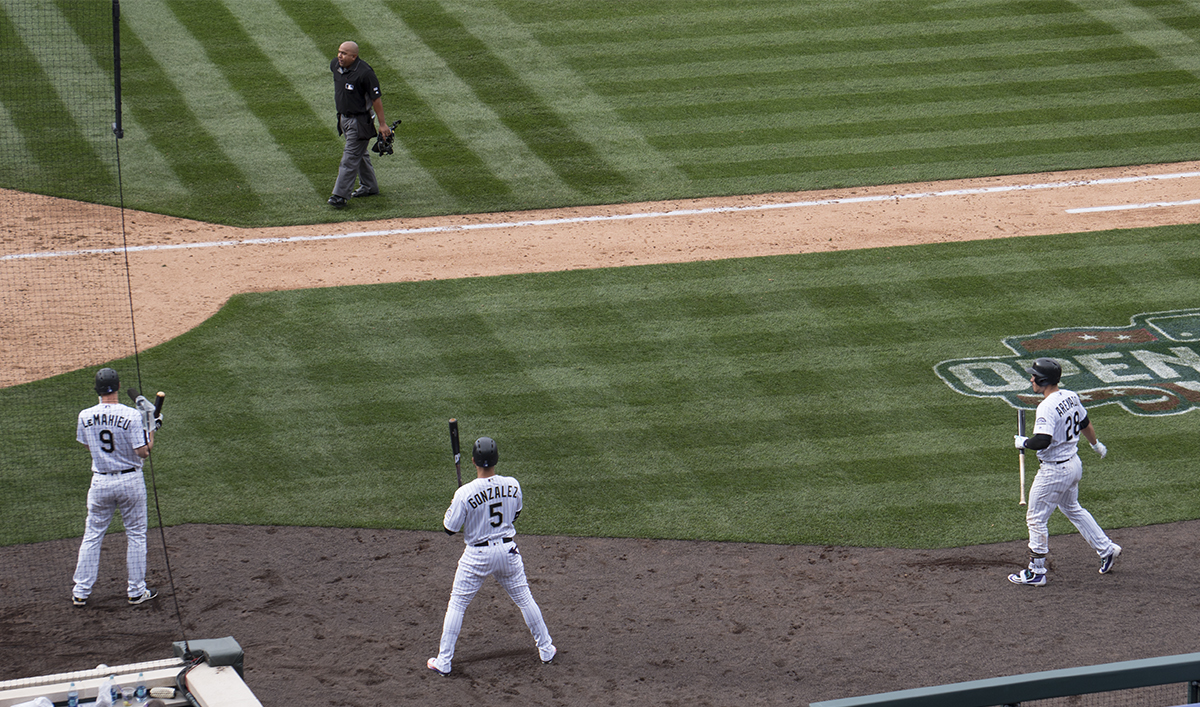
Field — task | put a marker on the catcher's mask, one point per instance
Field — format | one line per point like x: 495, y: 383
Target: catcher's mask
x: 485, y: 453
x: 383, y: 145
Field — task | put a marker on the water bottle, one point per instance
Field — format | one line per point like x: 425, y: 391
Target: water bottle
x: 114, y: 692
x: 72, y: 696
x: 140, y: 692
x: 104, y: 694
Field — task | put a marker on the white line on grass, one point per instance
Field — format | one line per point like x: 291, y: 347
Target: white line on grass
x: 627, y: 217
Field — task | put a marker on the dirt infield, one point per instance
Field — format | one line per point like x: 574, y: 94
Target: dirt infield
x: 348, y: 617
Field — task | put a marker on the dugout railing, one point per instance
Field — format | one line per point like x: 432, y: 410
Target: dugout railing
x: 1030, y: 687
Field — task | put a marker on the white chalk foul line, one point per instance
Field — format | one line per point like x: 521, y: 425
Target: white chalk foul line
x: 616, y: 217
x: 1130, y: 207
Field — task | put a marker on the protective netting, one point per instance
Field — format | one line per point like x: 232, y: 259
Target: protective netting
x: 65, y: 308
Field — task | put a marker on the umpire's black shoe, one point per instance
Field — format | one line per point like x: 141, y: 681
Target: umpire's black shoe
x: 361, y: 192
x: 337, y: 202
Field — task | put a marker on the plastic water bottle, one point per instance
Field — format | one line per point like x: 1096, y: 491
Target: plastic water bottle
x: 104, y: 694
x: 72, y: 696
x: 140, y: 692
x: 115, y: 691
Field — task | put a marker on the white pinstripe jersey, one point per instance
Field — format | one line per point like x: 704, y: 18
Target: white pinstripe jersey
x: 485, y: 509
x: 1060, y: 415
x: 111, y: 432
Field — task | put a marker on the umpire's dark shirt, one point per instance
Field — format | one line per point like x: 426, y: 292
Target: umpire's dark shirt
x: 354, y: 87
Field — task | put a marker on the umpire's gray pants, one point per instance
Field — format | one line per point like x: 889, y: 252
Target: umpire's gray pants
x: 356, y: 161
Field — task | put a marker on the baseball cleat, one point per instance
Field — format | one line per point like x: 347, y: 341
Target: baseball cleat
x: 361, y: 192
x: 76, y: 601
x: 550, y: 660
x: 145, y: 597
x: 1107, y: 561
x: 337, y: 202
x: 1028, y: 577
x: 432, y: 665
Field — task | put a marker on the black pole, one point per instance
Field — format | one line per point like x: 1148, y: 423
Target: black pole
x: 118, y: 130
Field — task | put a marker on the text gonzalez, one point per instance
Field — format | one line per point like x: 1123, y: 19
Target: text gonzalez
x: 492, y: 493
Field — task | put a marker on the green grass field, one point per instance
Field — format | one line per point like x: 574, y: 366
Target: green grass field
x: 787, y: 399
x: 518, y: 104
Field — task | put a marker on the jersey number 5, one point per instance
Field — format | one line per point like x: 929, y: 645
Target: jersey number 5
x: 494, y: 511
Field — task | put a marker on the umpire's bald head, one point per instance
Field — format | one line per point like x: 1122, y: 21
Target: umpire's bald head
x: 347, y: 53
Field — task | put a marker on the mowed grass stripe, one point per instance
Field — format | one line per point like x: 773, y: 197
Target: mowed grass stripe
x: 289, y: 120
x: 668, y: 21
x: 834, y: 49
x: 135, y: 150
x: 191, y: 153
x: 519, y: 108
x: 297, y: 57
x: 49, y: 131
x: 1142, y: 27
x: 220, y: 108
x: 1022, y: 141
x: 565, y: 93
x: 452, y: 100
x: 868, y: 87
x: 24, y: 159
x: 82, y: 90
x: 736, y: 115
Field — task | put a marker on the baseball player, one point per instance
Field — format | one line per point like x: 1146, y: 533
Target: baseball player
x: 484, y: 509
x: 117, y: 437
x: 1061, y: 419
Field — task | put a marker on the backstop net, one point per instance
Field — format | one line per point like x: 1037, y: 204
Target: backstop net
x: 65, y: 310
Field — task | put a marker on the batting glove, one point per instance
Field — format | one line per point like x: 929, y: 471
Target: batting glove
x: 1019, y: 441
x: 1099, y: 448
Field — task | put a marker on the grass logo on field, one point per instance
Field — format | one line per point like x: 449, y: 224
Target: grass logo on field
x: 1151, y: 367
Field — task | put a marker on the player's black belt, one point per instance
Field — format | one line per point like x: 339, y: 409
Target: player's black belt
x: 114, y: 473
x: 485, y: 543
x: 1064, y: 461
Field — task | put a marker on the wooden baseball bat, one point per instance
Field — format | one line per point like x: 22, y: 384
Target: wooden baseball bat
x: 455, y: 449
x: 1021, y: 462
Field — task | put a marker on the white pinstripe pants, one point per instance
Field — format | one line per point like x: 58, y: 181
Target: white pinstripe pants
x: 110, y: 493
x: 505, y: 562
x: 1057, y: 486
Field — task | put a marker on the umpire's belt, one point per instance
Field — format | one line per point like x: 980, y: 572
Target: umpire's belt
x: 485, y: 543
x: 113, y: 473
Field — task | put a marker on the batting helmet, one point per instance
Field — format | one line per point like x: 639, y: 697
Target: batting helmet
x: 1045, y: 371
x: 107, y: 381
x: 485, y: 454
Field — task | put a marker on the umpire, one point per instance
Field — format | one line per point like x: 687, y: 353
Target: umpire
x: 355, y: 93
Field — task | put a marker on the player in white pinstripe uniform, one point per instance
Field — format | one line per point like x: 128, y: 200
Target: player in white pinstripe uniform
x: 117, y: 437
x: 1061, y: 420
x: 484, y: 509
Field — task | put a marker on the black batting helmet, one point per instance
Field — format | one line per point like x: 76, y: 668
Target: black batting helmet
x: 485, y: 453
x: 1045, y: 371
x: 107, y: 381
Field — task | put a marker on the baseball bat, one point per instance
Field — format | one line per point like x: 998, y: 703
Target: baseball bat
x: 158, y: 402
x: 455, y: 449
x: 1021, y: 459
